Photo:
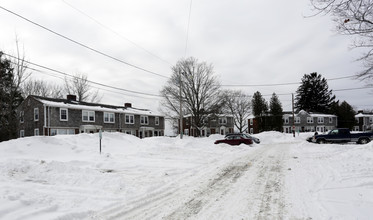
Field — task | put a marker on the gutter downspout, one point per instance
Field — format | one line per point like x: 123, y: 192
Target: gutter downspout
x: 45, y: 119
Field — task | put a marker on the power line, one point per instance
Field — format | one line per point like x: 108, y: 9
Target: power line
x: 282, y: 84
x: 113, y: 31
x: 187, y: 37
x: 83, y: 45
x: 69, y: 75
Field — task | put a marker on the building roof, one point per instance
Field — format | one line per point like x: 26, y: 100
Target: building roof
x: 363, y: 115
x: 72, y: 104
x: 302, y: 112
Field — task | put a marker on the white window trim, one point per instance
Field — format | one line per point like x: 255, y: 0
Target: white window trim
x: 21, y: 116
x: 144, y: 118
x: 156, y: 120
x: 36, y: 112
x: 36, y: 132
x: 251, y: 121
x: 22, y: 133
x: 88, y: 114
x: 297, y: 120
x: 310, y: 120
x: 108, y: 117
x: 286, y: 120
x: 330, y: 119
x: 129, y: 119
x: 320, y: 120
x: 223, y: 120
x: 67, y: 114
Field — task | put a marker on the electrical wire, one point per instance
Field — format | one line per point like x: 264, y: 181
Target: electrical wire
x: 83, y: 45
x: 90, y: 81
x: 113, y: 31
x: 187, y: 35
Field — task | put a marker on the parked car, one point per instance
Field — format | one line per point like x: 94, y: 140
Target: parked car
x: 255, y: 139
x: 235, y: 139
x: 342, y: 135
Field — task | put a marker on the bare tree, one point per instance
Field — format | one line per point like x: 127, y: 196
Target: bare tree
x: 80, y: 86
x: 239, y: 105
x: 20, y: 66
x: 41, y: 88
x: 200, y: 91
x: 355, y: 18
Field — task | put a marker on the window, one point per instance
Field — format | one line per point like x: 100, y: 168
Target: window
x: 251, y: 121
x: 330, y: 120
x: 371, y: 120
x: 309, y: 120
x: 36, y: 114
x: 21, y: 133
x: 88, y: 116
x: 156, y: 120
x: 36, y: 132
x: 21, y: 116
x: 320, y: 120
x: 62, y: 131
x: 63, y: 114
x: 222, y: 120
x: 129, y: 119
x: 144, y: 120
x: 109, y: 117
x: 286, y: 120
x: 297, y: 120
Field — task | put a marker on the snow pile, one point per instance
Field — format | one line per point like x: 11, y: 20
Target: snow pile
x: 65, y: 177
x: 332, y: 181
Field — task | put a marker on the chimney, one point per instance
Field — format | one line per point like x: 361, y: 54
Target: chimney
x: 71, y: 97
x: 128, y: 105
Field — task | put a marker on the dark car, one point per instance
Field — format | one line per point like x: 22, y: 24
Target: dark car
x: 256, y: 140
x: 343, y: 135
x: 235, y: 139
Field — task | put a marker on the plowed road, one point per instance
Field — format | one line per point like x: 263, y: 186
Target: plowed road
x: 250, y: 186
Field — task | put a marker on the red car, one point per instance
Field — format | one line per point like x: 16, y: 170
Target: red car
x: 235, y: 140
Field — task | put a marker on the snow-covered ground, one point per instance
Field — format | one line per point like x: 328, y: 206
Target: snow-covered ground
x: 65, y: 177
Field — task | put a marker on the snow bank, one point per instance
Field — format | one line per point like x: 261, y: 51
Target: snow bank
x: 332, y: 181
x: 65, y: 177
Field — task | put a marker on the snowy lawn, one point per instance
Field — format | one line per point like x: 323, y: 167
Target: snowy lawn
x: 65, y: 177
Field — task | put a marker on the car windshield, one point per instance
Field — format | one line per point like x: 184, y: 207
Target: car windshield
x: 246, y: 136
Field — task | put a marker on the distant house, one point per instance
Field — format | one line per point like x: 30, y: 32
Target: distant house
x: 303, y: 122
x: 364, y: 121
x: 309, y: 122
x: 48, y: 116
x: 214, y: 124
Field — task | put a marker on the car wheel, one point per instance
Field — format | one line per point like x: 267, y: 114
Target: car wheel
x: 363, y: 141
x: 321, y: 141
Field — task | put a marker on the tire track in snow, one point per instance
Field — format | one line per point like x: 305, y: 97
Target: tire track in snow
x: 248, y: 187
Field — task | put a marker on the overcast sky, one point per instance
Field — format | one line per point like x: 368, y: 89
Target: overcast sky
x: 252, y: 42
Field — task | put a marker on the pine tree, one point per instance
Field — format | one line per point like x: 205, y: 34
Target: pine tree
x: 346, y: 115
x: 260, y: 109
x: 313, y: 95
x: 276, y: 112
x: 10, y: 98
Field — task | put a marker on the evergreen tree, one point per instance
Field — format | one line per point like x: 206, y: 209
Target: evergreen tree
x: 313, y: 95
x: 260, y: 109
x: 10, y: 98
x: 276, y: 112
x: 346, y: 115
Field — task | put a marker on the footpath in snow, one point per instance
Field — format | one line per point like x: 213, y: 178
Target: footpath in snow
x: 65, y: 177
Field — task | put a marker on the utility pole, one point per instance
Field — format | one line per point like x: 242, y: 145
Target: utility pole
x: 292, y: 106
x: 181, y: 110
